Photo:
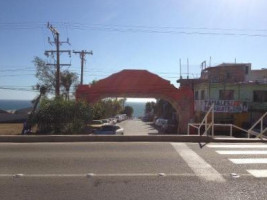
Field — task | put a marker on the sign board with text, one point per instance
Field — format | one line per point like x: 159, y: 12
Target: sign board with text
x: 225, y: 106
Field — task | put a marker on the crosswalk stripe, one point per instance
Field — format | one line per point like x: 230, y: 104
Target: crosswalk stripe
x: 199, y: 166
x: 245, y: 149
x: 250, y: 146
x: 249, y: 161
x: 262, y: 173
x: 226, y: 152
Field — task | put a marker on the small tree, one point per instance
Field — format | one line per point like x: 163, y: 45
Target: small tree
x: 128, y: 110
x: 67, y: 80
x: 107, y: 108
x: 148, y: 108
x: 47, y: 76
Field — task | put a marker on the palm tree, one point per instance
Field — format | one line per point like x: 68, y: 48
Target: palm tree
x: 28, y: 123
x: 67, y: 80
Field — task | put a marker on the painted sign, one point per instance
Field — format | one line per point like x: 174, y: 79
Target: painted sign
x: 225, y: 106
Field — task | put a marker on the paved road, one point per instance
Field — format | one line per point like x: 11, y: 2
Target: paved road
x: 132, y: 171
x: 138, y: 127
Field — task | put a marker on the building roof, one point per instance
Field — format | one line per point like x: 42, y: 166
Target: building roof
x: 227, y: 65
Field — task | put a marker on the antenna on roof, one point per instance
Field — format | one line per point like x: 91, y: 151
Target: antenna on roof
x: 187, y: 68
x: 181, y: 69
x: 203, y: 65
x: 210, y: 62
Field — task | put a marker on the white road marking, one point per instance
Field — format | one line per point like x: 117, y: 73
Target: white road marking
x: 249, y: 161
x: 105, y: 175
x: 114, y: 175
x: 242, y: 152
x: 258, y: 173
x: 250, y: 146
x: 199, y: 166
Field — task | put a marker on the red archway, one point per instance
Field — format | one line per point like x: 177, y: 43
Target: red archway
x: 141, y: 84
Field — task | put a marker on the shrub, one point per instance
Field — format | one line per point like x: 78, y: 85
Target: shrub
x: 59, y: 116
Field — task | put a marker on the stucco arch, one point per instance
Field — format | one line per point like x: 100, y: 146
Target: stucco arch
x: 141, y: 84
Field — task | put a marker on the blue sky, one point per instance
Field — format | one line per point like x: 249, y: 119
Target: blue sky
x: 136, y: 34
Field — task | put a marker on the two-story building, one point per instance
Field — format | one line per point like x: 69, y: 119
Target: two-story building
x: 238, y: 93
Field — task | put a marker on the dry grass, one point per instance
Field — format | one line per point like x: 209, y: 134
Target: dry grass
x: 11, y: 128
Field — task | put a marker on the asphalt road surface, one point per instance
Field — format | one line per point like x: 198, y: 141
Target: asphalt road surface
x: 115, y: 171
x: 138, y: 127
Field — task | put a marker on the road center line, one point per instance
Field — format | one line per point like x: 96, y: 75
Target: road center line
x: 99, y: 175
x: 105, y: 175
x: 199, y: 166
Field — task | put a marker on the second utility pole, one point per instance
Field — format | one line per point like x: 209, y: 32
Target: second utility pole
x: 82, y: 56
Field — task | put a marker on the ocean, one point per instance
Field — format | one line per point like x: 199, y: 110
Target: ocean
x: 138, y: 107
x: 14, y: 104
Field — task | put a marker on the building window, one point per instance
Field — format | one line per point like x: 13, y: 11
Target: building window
x: 202, y: 97
x: 247, y: 68
x: 260, y: 96
x: 226, y: 95
x: 196, y: 95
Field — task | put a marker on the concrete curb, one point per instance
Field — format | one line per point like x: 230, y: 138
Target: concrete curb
x: 102, y: 138
x: 115, y: 138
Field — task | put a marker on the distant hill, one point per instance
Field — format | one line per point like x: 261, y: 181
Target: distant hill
x: 3, y: 111
x: 24, y: 111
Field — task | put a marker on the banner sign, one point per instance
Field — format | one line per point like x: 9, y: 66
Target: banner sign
x: 225, y: 106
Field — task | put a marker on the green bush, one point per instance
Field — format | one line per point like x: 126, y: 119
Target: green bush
x: 59, y: 116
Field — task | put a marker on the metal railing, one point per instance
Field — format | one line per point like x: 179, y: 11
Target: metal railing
x: 208, y: 125
x: 231, y: 128
x: 211, y: 125
x: 262, y: 130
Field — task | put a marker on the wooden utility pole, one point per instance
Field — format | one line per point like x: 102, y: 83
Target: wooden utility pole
x: 82, y: 56
x: 57, y: 51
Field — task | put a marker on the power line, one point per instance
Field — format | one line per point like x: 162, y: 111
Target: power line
x: 17, y: 75
x: 18, y: 89
x: 143, y: 29
x: 75, y: 24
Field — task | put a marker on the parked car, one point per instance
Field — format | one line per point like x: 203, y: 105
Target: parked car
x: 160, y: 121
x: 113, y: 121
x: 121, y: 117
x: 109, y: 130
x: 95, y: 124
x: 147, y: 118
x: 170, y: 126
x: 105, y: 121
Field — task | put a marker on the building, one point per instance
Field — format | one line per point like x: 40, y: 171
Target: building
x: 238, y: 93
